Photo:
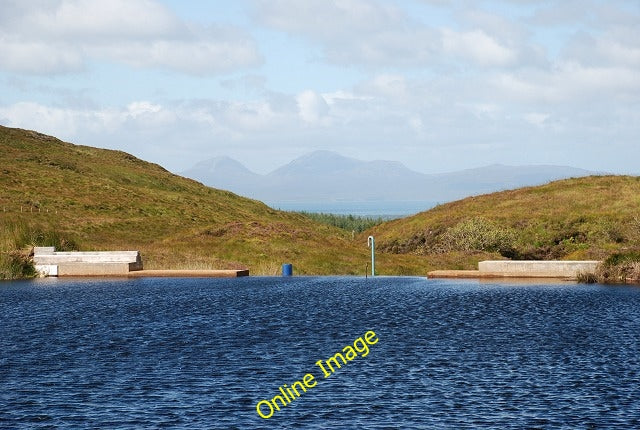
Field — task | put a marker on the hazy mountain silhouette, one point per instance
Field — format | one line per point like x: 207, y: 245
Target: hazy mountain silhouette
x: 328, y: 176
x: 224, y: 173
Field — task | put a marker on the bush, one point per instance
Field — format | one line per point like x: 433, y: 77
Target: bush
x: 16, y: 265
x: 354, y: 223
x: 622, y: 258
x: 587, y: 278
x: 23, y: 235
x: 16, y: 242
x: 620, y: 268
x: 478, y: 234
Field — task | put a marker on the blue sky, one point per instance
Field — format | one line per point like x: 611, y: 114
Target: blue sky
x: 438, y: 85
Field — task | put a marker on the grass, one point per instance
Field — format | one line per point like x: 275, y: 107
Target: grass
x: 350, y: 223
x: 17, y: 240
x: 108, y: 200
x: 620, y: 267
x: 78, y: 197
x: 580, y: 218
x: 14, y: 259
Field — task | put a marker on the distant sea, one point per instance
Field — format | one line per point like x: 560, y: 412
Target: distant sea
x: 385, y: 209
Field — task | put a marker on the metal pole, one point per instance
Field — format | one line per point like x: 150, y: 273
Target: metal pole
x: 372, y: 243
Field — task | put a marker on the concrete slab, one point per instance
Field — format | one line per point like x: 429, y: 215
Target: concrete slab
x: 542, y: 269
x: 93, y: 269
x: 45, y: 270
x: 48, y: 262
x: 41, y: 250
x: 456, y: 274
x: 188, y: 273
x: 555, y: 269
x: 129, y: 257
x: 90, y: 263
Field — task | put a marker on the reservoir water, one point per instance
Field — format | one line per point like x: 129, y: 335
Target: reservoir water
x: 202, y: 353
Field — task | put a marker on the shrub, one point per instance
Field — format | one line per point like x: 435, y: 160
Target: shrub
x: 37, y: 237
x: 587, y: 278
x: 620, y: 267
x: 478, y: 234
x: 16, y: 242
x: 354, y: 223
x: 622, y: 258
x: 16, y: 265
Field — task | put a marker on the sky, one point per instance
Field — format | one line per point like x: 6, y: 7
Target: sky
x: 439, y: 85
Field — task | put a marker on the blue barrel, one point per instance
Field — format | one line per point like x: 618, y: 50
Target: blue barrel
x: 287, y: 269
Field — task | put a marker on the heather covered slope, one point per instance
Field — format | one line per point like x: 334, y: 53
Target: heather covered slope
x: 581, y: 218
x: 78, y: 197
x: 95, y: 199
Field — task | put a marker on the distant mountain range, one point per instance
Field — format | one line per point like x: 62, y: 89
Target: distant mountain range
x: 325, y: 176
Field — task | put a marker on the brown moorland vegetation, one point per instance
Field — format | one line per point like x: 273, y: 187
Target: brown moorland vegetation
x: 572, y: 219
x: 79, y: 197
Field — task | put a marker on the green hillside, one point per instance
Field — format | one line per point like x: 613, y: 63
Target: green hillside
x: 94, y: 199
x: 583, y: 218
x: 78, y: 197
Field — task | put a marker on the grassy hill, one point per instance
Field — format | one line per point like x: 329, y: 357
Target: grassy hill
x: 78, y: 197
x: 584, y: 218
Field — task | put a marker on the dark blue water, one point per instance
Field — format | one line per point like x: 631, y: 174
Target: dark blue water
x: 201, y: 353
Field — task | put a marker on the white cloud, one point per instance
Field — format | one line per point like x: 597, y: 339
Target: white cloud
x: 417, y: 124
x: 69, y: 123
x: 228, y: 119
x: 478, y: 47
x: 197, y: 57
x: 312, y: 107
x: 342, y: 96
x: 393, y: 48
x: 568, y: 82
x: 328, y: 19
x: 392, y: 81
x: 64, y: 36
x: 619, y: 46
x: 561, y: 13
x: 90, y: 19
x: 536, y: 118
x: 391, y: 87
x: 252, y: 116
x: 485, y: 110
x: 53, y: 120
x: 32, y: 56
x: 353, y: 31
x: 143, y: 115
x: 136, y: 109
x: 370, y: 33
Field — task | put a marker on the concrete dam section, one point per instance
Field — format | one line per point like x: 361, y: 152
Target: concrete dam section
x: 49, y: 262
x: 561, y: 269
x: 538, y: 269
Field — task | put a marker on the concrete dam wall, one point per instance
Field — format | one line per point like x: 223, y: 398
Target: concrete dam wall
x: 49, y: 262
x: 538, y: 269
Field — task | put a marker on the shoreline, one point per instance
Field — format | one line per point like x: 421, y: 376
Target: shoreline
x: 188, y: 273
x: 477, y: 274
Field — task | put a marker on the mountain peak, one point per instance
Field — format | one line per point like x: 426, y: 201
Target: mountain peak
x: 318, y: 162
x: 218, y: 163
x: 323, y: 176
x: 222, y: 172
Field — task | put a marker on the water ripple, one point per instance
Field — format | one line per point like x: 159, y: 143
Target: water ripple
x: 201, y: 353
